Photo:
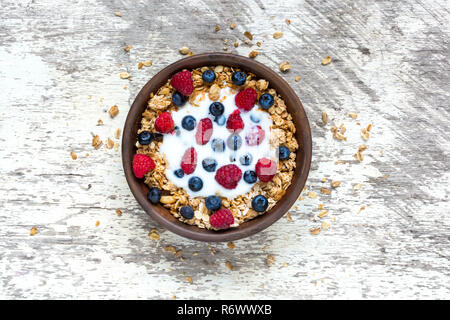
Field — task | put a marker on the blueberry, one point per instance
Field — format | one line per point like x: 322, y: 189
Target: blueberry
x: 195, y: 184
x: 283, y: 152
x: 220, y: 120
x: 246, y: 159
x: 179, y: 173
x: 208, y: 76
x: 187, y: 212
x: 216, y: 109
x: 154, y: 194
x: 250, y: 176
x: 260, y: 203
x: 218, y: 145
x: 266, y: 101
x: 213, y: 203
x: 145, y: 137
x: 209, y: 164
x: 178, y: 99
x: 238, y: 78
x: 232, y: 158
x: 188, y: 123
x: 255, y: 118
x: 234, y: 142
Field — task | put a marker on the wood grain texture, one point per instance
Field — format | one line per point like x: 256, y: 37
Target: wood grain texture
x: 60, y: 63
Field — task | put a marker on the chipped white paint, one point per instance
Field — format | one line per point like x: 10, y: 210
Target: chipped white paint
x: 59, y: 73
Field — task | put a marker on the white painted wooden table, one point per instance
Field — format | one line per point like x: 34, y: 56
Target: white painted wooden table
x: 59, y: 73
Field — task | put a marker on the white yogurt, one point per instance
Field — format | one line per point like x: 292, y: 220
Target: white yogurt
x: 174, y: 146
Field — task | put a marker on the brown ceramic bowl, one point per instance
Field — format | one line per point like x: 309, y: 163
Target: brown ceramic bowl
x: 303, y: 135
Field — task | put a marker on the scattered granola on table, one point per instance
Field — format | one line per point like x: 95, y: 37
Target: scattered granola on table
x: 125, y: 75
x: 216, y: 147
x: 184, y: 50
x: 253, y: 54
x: 33, y: 231
x: 113, y: 111
x: 326, y: 60
x: 277, y: 34
x: 285, y: 66
x: 96, y: 142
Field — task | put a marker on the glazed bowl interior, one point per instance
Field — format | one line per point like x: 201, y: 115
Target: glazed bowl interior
x: 303, y: 159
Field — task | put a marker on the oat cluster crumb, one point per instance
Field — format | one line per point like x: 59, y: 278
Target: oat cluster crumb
x: 153, y: 234
x: 248, y: 35
x: 253, y: 54
x: 326, y: 60
x: 184, y: 50
x: 270, y: 259
x: 324, y: 117
x: 109, y: 143
x: 146, y: 63
x: 338, y: 132
x: 277, y: 34
x: 285, y: 66
x: 33, y: 231
x: 113, y: 111
x: 96, y: 142
x: 231, y: 245
x: 125, y: 75
x: 229, y: 265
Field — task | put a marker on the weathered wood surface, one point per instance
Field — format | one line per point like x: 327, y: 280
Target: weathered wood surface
x: 59, y: 73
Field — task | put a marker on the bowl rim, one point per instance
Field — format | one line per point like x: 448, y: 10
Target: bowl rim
x: 248, y: 228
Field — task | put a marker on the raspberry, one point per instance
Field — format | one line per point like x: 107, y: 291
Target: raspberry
x: 246, y: 99
x: 182, y: 81
x: 189, y: 161
x: 142, y: 164
x: 265, y: 169
x: 255, y: 136
x: 221, y: 219
x: 234, y: 122
x: 228, y: 176
x: 204, y: 131
x: 164, y: 123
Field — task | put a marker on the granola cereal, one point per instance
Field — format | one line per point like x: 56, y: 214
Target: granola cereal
x: 326, y: 60
x: 125, y: 75
x: 175, y: 140
x: 253, y: 54
x: 33, y: 231
x: 96, y: 142
x: 285, y: 66
x: 113, y: 111
x: 184, y: 50
x: 277, y: 34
